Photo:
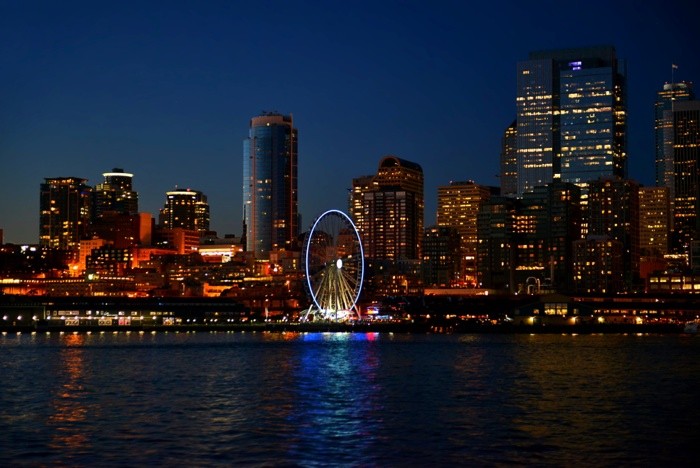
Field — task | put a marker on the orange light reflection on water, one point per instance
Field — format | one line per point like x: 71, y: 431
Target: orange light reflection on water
x: 69, y: 410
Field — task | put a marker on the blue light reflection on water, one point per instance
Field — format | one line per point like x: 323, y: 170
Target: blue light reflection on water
x: 350, y: 399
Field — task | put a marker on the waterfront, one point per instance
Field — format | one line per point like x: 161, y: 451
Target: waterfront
x: 370, y: 399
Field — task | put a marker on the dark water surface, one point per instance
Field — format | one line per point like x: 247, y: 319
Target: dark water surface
x: 292, y: 399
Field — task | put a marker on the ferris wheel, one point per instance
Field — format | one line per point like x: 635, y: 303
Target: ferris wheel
x: 334, y: 266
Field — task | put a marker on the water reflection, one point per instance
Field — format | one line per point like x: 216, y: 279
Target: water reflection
x: 69, y: 411
x: 338, y: 397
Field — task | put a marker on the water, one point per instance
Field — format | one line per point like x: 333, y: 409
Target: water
x: 277, y: 399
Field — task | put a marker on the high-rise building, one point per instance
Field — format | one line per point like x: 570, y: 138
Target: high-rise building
x: 654, y: 220
x: 458, y: 207
x: 391, y: 219
x: 440, y: 256
x: 613, y: 211
x: 571, y: 117
x: 598, y: 265
x: 270, y: 194
x: 185, y: 209
x: 115, y: 194
x: 686, y: 163
x: 663, y: 130
x: 65, y: 212
x: 495, y: 245
x: 509, y: 160
x: 530, y: 238
x: 548, y: 224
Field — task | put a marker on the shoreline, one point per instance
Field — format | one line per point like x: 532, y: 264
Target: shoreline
x: 327, y: 327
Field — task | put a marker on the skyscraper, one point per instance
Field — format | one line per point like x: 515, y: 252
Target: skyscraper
x: 64, y: 212
x: 663, y: 130
x: 509, y: 160
x: 571, y: 117
x: 391, y: 219
x: 613, y: 212
x: 115, y: 194
x: 654, y: 219
x: 185, y: 209
x: 686, y: 163
x: 270, y: 195
x: 458, y: 207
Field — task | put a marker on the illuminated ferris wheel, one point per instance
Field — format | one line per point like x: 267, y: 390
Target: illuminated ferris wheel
x: 333, y: 262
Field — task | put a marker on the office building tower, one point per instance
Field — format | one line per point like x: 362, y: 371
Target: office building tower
x: 495, y: 243
x: 64, y: 212
x: 270, y: 194
x: 686, y: 164
x: 185, y: 209
x: 509, y: 160
x: 360, y: 186
x: 391, y: 219
x: 548, y: 223
x: 441, y: 254
x: 654, y: 221
x: 458, y: 208
x: 115, y: 194
x: 598, y: 265
x: 613, y: 211
x: 571, y: 117
x: 663, y: 130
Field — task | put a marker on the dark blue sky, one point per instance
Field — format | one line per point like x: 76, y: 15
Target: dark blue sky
x: 165, y: 90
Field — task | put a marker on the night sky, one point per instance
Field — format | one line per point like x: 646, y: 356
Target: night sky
x: 165, y: 90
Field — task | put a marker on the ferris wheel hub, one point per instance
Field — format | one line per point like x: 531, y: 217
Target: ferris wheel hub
x: 339, y: 264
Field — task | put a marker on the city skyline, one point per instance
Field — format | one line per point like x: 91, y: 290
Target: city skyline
x: 91, y: 87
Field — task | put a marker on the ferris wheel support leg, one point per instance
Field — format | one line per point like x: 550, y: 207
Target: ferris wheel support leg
x: 308, y: 311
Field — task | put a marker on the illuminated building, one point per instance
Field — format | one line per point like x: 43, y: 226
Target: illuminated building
x: 109, y: 260
x: 441, y: 252
x: 571, y: 117
x: 64, y: 212
x: 495, y: 227
x: 529, y: 239
x: 183, y: 241
x: 115, y: 194
x: 613, y: 211
x: 185, y: 209
x: 547, y: 226
x: 458, y: 207
x: 686, y: 163
x: 654, y: 218
x: 598, y: 265
x: 391, y: 220
x: 360, y: 186
x: 509, y: 160
x: 663, y: 130
x: 270, y: 194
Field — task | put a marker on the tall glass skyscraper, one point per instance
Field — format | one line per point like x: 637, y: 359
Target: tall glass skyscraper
x: 270, y: 195
x: 65, y: 212
x: 571, y: 117
x: 663, y: 130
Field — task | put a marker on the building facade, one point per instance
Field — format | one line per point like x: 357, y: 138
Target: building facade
x: 115, y: 194
x: 270, y: 193
x: 571, y: 117
x: 509, y: 160
x: 441, y: 252
x: 613, y: 211
x: 64, y: 212
x: 663, y: 130
x: 458, y: 208
x: 388, y: 210
x: 654, y: 221
x: 185, y: 209
x: 686, y: 164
